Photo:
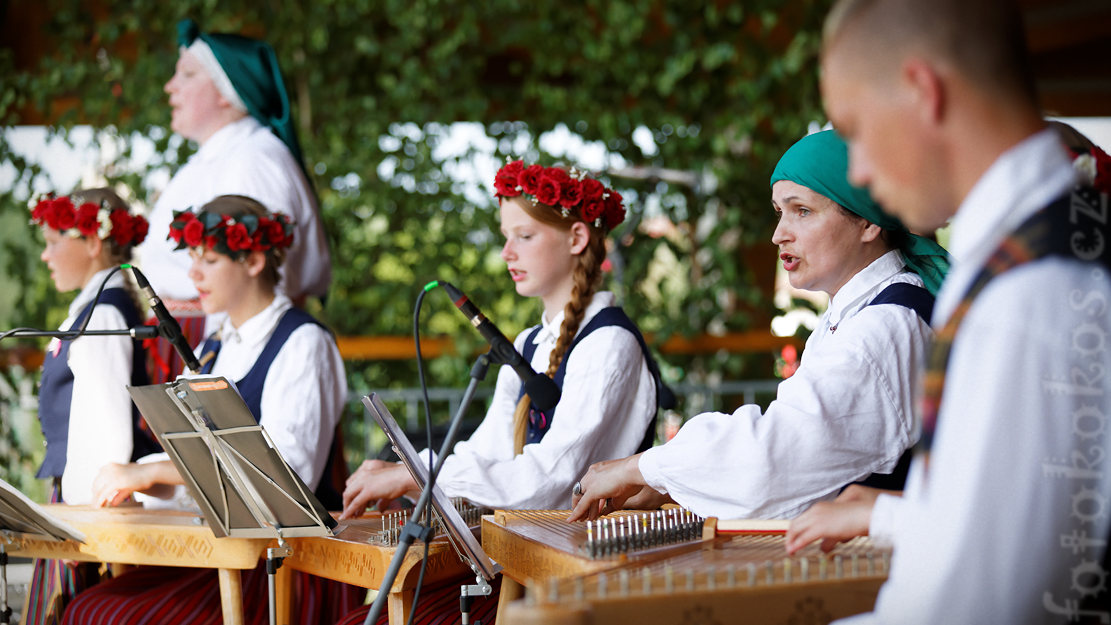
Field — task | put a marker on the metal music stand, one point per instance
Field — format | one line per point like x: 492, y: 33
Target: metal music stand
x: 19, y: 516
x: 458, y: 532
x: 242, y: 484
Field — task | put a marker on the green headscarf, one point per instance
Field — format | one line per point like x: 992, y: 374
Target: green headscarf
x: 252, y: 68
x: 820, y: 162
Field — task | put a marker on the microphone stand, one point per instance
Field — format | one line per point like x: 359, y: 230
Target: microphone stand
x: 138, y: 333
x: 413, y: 529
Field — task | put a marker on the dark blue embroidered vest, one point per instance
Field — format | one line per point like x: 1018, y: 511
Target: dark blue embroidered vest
x: 251, y: 385
x: 540, y: 423
x: 920, y: 301
x: 56, y: 390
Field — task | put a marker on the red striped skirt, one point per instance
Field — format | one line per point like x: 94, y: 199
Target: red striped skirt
x: 439, y: 605
x: 191, y: 596
x: 54, y: 583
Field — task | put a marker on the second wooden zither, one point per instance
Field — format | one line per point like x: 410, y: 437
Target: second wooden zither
x: 743, y: 579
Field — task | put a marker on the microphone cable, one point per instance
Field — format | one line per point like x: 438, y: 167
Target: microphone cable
x: 72, y: 334
x: 428, y: 433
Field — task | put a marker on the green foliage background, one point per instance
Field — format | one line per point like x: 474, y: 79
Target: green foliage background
x: 723, y: 87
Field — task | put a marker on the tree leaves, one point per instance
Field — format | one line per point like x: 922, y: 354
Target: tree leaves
x: 722, y: 89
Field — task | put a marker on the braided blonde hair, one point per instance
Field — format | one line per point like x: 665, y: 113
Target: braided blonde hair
x: 587, y: 276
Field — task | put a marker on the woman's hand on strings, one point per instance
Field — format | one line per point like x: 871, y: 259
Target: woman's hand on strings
x: 606, y: 487
x: 375, y: 482
x: 115, y: 482
x: 835, y: 521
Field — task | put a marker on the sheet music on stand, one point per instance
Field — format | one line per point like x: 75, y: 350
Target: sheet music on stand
x: 242, y: 484
x: 458, y: 532
x: 20, y: 515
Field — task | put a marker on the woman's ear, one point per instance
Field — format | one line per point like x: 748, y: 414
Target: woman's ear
x: 95, y: 248
x: 870, y: 233
x: 255, y: 263
x: 580, y: 236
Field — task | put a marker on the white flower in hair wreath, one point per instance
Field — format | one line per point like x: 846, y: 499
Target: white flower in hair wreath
x: 104, y: 223
x: 1094, y: 168
x: 1085, y: 165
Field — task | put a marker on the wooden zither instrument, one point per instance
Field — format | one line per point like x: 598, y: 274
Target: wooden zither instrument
x: 534, y: 545
x: 723, y: 578
x: 361, y: 550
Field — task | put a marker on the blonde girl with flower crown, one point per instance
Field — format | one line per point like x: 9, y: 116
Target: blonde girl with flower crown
x: 554, y: 223
x: 85, y: 412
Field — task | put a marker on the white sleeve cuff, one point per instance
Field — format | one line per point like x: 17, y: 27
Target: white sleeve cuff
x: 885, y: 514
x: 650, y: 470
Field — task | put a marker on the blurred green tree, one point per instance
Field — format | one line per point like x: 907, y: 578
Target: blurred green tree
x: 689, y: 103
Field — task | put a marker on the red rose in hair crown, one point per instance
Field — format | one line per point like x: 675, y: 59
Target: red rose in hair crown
x: 571, y: 192
x: 231, y: 236
x: 90, y: 220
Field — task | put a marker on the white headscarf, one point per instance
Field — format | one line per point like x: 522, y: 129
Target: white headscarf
x: 203, y: 53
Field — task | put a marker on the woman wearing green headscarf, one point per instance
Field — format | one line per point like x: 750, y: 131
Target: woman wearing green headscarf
x: 846, y: 415
x: 818, y: 162
x: 227, y: 95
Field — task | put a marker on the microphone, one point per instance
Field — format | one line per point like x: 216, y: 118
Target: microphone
x: 167, y: 326
x: 541, y: 389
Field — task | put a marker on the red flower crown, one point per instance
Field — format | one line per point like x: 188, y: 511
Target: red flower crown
x: 571, y: 192
x: 90, y: 220
x: 231, y: 236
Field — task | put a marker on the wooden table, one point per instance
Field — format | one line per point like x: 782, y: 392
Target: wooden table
x: 350, y: 557
x: 133, y: 535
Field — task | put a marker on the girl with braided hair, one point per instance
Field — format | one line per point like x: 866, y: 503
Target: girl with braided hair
x: 554, y: 223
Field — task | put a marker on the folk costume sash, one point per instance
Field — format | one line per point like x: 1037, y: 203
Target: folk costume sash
x: 1074, y: 226
x: 539, y: 422
x: 250, y: 387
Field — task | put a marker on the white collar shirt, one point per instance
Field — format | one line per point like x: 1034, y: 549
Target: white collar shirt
x: 1016, y: 497
x: 305, y: 387
x: 607, y: 403
x: 302, y: 397
x: 847, y: 412
x: 242, y: 158
x: 100, y: 407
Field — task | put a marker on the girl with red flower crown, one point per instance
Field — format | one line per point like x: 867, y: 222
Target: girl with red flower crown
x: 288, y: 369
x: 554, y: 223
x: 85, y: 411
